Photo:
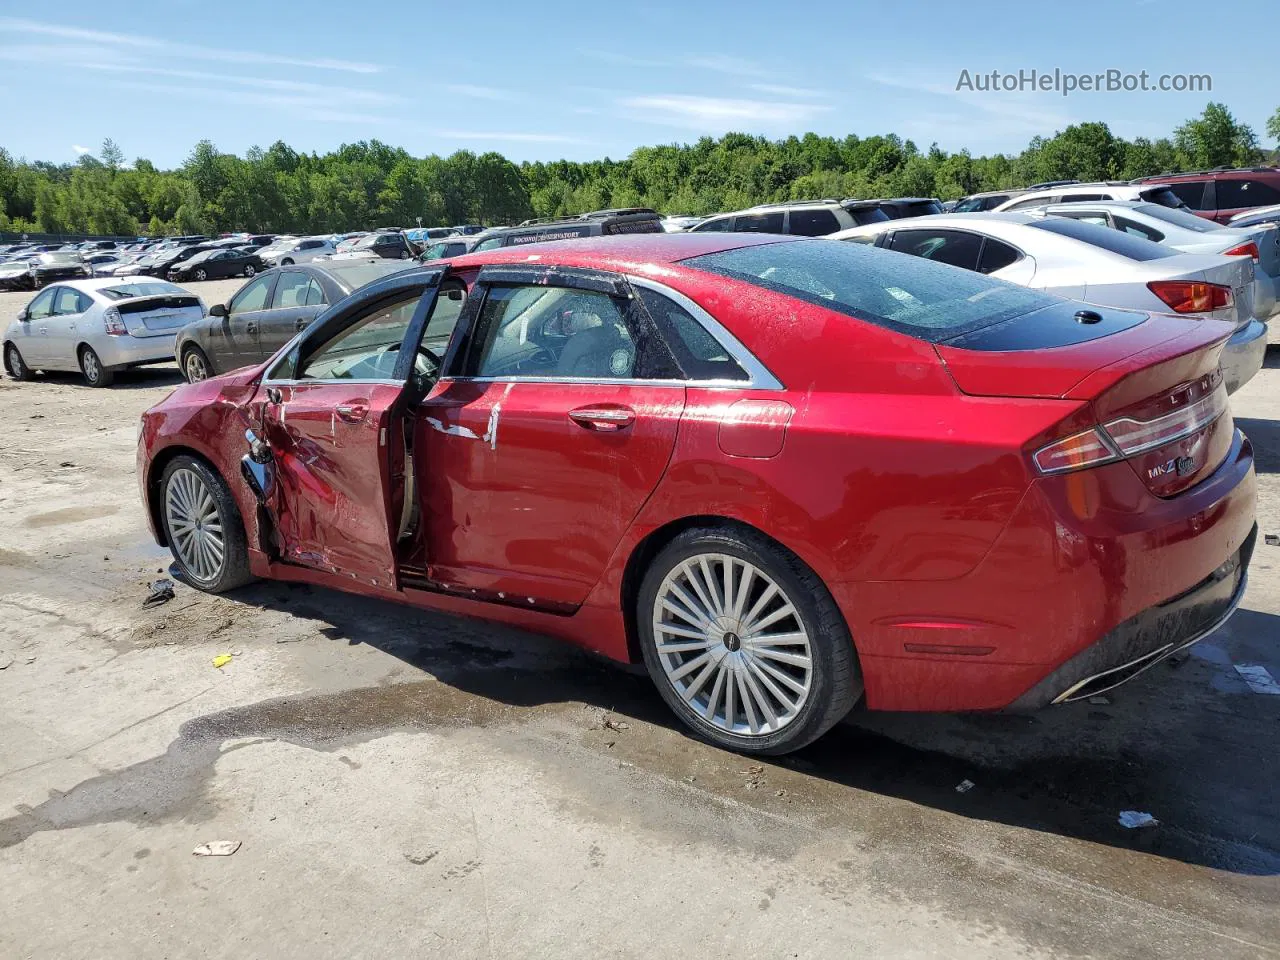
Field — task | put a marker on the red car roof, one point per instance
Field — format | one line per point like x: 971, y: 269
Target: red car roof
x: 622, y: 253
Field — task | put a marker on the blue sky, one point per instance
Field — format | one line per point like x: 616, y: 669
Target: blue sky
x: 586, y: 80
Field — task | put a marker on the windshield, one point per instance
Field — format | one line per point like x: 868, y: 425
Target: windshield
x: 1179, y: 218
x: 364, y: 243
x: 141, y: 288
x: 1122, y: 244
x: 918, y: 297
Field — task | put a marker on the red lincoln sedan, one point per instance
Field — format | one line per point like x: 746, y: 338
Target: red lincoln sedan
x: 787, y: 474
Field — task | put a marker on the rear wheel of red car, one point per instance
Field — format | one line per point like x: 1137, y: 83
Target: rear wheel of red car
x: 203, y: 526
x: 91, y: 368
x: 744, y: 642
x: 15, y: 365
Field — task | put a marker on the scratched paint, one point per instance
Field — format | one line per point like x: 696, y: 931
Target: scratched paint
x: 1258, y: 678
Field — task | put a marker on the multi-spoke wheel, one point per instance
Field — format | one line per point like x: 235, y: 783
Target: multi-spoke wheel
x: 195, y: 365
x: 203, y: 526
x: 14, y: 364
x: 92, y: 369
x: 744, y: 642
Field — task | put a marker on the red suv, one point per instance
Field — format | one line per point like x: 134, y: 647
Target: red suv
x: 1221, y: 194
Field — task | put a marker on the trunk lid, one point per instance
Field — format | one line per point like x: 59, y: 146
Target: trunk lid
x: 160, y: 315
x: 1148, y: 380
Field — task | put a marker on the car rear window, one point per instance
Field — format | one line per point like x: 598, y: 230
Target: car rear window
x: 152, y: 288
x: 1122, y: 244
x: 357, y: 273
x: 864, y: 215
x: 1178, y: 217
x: 1177, y: 195
x: 923, y: 299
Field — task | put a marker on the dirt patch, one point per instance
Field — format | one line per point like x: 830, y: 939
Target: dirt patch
x: 57, y: 518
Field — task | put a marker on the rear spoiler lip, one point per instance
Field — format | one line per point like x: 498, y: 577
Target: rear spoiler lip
x: 1200, y: 338
x: 142, y: 304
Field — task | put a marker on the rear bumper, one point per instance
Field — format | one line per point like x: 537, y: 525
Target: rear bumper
x: 1145, y: 640
x: 126, y: 351
x: 1243, y: 355
x: 1092, y: 573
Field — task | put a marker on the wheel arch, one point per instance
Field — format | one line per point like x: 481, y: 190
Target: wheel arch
x: 644, y: 552
x: 151, y: 485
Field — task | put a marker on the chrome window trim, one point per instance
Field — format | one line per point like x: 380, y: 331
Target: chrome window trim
x: 603, y: 381
x: 759, y: 377
x: 329, y: 380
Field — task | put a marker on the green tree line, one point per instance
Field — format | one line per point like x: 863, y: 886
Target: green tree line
x: 370, y: 184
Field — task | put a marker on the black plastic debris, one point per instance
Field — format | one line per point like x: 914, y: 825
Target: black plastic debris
x: 161, y: 591
x: 1272, y: 539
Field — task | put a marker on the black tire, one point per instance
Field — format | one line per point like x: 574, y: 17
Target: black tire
x: 92, y: 369
x: 196, y: 365
x: 201, y: 274
x: 234, y: 569
x: 287, y: 262
x: 14, y: 365
x: 835, y: 683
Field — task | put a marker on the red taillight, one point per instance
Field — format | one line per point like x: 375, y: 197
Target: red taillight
x: 1246, y: 249
x: 1191, y: 296
x: 115, y: 322
x: 1127, y: 437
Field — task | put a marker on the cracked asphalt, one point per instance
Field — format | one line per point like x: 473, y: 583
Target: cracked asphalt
x: 406, y: 782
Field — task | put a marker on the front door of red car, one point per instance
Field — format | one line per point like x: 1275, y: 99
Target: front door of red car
x: 328, y: 411
x: 534, y: 458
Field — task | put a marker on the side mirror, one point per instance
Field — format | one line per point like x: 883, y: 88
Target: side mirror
x: 218, y: 310
x: 23, y: 316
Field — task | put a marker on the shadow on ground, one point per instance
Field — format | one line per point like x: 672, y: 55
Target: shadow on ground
x: 137, y: 378
x: 1186, y: 742
x: 1265, y: 436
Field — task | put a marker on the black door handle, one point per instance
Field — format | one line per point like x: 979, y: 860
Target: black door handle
x: 301, y: 323
x: 251, y: 327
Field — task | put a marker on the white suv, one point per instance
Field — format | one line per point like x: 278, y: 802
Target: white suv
x: 298, y: 251
x: 1093, y: 192
x: 805, y: 218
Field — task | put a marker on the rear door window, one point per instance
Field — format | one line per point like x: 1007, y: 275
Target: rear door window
x: 1082, y: 198
x: 812, y: 223
x: 1190, y: 193
x: 907, y: 294
x: 291, y: 290
x: 996, y: 256
x: 714, y: 225
x: 1233, y: 194
x: 1031, y: 202
x: 956, y: 247
x: 865, y: 215
x: 759, y: 223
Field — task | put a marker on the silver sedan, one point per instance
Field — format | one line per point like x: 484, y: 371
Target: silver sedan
x: 98, y: 327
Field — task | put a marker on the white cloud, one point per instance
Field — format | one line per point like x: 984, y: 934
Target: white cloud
x: 328, y: 91
x: 622, y: 59
x: 81, y: 151
x: 313, y: 107
x: 720, y: 113
x: 507, y: 136
x: 480, y: 93
x: 158, y: 46
x: 777, y: 90
x: 721, y: 63
x: 1016, y: 113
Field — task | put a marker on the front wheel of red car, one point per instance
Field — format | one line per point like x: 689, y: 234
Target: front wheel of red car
x: 744, y: 642
x: 203, y: 526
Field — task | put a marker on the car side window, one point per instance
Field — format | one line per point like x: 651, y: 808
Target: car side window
x: 1191, y: 193
x: 812, y: 223
x: 559, y: 332
x: 1245, y: 193
x: 1138, y: 229
x: 491, y: 244
x: 996, y: 256
x: 368, y: 348
x: 958, y: 248
x: 758, y: 223
x: 315, y: 295
x: 42, y: 306
x: 1082, y: 198
x: 291, y: 290
x: 700, y: 355
x: 714, y: 225
x: 252, y: 297
x: 1031, y: 202
x: 67, y: 302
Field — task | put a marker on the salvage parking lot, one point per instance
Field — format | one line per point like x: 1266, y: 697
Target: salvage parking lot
x: 405, y: 781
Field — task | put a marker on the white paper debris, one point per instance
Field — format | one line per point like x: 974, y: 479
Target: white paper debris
x: 216, y: 848
x: 1258, y: 678
x: 1136, y: 818
x: 964, y: 786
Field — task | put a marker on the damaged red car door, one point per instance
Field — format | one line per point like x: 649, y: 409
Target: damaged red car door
x: 557, y: 424
x: 328, y: 411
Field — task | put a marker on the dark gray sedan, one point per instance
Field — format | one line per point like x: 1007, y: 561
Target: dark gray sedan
x: 268, y: 311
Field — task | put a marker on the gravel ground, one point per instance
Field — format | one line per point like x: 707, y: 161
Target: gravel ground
x: 401, y: 781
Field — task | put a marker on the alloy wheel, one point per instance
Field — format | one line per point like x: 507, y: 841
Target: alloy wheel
x: 733, y: 645
x: 195, y: 525
x: 14, y: 364
x: 202, y: 275
x: 195, y: 367
x: 249, y: 271
x: 89, y: 364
